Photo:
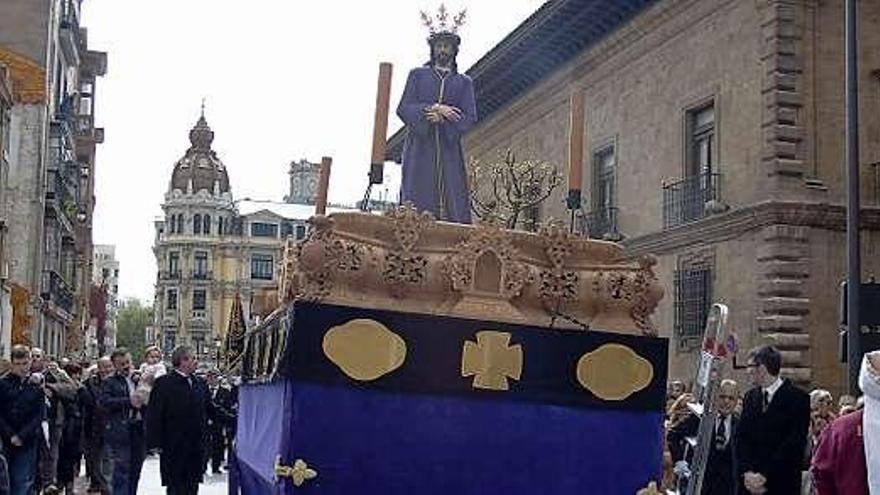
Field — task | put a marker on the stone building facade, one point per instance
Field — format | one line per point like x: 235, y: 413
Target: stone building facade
x: 210, y: 248
x: 303, y: 182
x: 49, y: 197
x: 6, y: 102
x: 105, y: 276
x: 715, y: 140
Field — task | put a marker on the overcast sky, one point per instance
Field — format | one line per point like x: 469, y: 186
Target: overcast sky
x: 283, y: 80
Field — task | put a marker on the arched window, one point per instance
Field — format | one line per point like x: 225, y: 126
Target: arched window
x: 207, y: 224
x: 180, y: 224
x: 171, y: 224
x: 197, y: 224
x: 219, y: 225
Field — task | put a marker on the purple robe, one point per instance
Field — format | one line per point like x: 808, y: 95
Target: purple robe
x: 434, y: 174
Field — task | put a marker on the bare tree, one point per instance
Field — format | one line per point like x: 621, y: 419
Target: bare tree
x: 505, y: 192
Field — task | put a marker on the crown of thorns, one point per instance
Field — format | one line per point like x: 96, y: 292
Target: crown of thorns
x: 441, y: 23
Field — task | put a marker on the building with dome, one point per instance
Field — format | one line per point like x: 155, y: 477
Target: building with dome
x: 210, y: 247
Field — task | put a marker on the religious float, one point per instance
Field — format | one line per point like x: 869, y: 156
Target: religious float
x: 416, y: 356
x: 411, y: 356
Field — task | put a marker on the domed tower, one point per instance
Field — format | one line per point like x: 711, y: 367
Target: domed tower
x: 198, y: 224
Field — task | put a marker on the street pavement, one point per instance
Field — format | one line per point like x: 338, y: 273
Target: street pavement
x: 151, y: 484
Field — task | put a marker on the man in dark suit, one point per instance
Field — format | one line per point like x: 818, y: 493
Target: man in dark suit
x: 22, y: 408
x: 773, y: 429
x: 123, y: 425
x: 218, y: 421
x: 177, y: 424
x: 720, y: 476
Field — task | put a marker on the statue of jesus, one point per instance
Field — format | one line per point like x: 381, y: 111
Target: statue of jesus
x: 438, y: 108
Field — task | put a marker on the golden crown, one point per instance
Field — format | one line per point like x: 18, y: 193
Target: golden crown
x: 440, y: 23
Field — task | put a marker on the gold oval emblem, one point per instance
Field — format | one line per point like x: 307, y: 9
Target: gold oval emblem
x: 614, y: 372
x: 364, y: 349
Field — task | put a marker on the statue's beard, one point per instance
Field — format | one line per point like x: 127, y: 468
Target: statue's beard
x: 443, y: 60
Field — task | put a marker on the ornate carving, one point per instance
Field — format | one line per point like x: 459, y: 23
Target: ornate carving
x: 321, y: 256
x: 558, y: 285
x: 639, y: 288
x: 402, y: 267
x: 461, y: 267
x: 648, y: 293
x: 408, y: 225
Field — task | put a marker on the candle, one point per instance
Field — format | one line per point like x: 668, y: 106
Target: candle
x: 576, y: 141
x: 323, y: 185
x: 380, y: 123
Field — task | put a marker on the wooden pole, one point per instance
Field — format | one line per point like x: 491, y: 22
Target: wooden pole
x: 380, y: 123
x: 323, y: 185
x: 576, y: 141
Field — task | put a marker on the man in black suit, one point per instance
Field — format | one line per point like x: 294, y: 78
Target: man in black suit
x: 773, y: 429
x: 177, y: 423
x: 220, y: 418
x: 720, y: 476
x: 123, y: 425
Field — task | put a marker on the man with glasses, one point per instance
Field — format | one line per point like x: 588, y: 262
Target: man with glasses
x: 22, y: 408
x: 720, y: 476
x: 773, y: 428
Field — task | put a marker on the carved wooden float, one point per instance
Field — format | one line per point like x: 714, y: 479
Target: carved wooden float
x: 407, y: 261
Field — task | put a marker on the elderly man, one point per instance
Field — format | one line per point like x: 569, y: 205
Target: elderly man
x: 22, y: 408
x: 124, y: 433
x: 177, y: 424
x: 720, y: 477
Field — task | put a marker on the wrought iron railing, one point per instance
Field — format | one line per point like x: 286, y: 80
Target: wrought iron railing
x: 692, y: 300
x: 56, y: 290
x: 169, y: 275
x: 601, y: 223
x: 690, y: 198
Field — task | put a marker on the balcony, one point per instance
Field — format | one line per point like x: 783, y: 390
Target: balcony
x: 691, y: 198
x: 199, y: 314
x: 68, y: 32
x: 169, y: 275
x: 54, y: 289
x: 61, y: 200
x: 202, y: 275
x: 602, y: 224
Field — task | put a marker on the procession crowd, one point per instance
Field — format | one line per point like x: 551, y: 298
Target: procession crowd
x: 777, y: 438
x: 57, y: 417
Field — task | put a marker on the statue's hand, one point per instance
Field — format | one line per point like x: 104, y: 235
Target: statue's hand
x: 433, y: 115
x: 449, y: 112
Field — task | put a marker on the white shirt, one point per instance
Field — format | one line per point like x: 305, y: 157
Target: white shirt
x: 771, y: 390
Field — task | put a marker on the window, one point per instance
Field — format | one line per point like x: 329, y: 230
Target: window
x: 179, y: 224
x: 199, y: 299
x: 171, y: 300
x: 261, y: 267
x: 208, y: 224
x: 603, y: 218
x: 173, y: 263
x: 219, y: 225
x: 172, y: 224
x: 169, y: 340
x: 701, y: 136
x: 693, y: 298
x: 197, y: 224
x: 259, y: 229
x: 300, y: 232
x: 286, y: 229
x: 200, y: 265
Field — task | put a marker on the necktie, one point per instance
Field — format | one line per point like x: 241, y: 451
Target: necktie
x: 721, y: 433
x: 766, y: 400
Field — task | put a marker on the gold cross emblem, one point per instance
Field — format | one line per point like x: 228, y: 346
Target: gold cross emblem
x: 492, y: 359
x: 299, y: 473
